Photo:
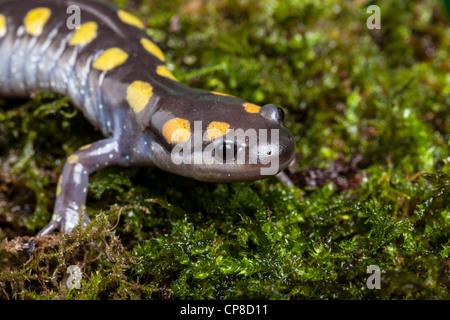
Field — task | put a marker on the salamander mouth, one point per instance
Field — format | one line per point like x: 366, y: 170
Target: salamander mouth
x: 226, y: 160
x: 229, y: 158
x: 234, y: 172
x: 230, y: 173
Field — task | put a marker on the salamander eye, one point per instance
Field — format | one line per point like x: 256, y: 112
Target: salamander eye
x: 273, y: 113
x: 226, y: 151
x: 281, y: 114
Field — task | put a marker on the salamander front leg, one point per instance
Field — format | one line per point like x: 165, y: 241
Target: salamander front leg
x: 72, y: 186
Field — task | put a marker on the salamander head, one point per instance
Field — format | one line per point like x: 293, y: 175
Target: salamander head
x: 221, y: 138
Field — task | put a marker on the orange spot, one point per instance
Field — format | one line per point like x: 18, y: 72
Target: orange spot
x: 58, y: 186
x: 85, y: 34
x: 153, y: 49
x: 85, y: 147
x: 138, y: 95
x: 251, y: 108
x: 2, y: 25
x: 35, y: 20
x: 222, y: 94
x: 73, y: 159
x: 176, y: 130
x: 110, y: 59
x: 217, y: 129
x: 130, y: 19
x: 164, y: 72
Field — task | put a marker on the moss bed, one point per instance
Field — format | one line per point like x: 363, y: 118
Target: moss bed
x: 370, y: 112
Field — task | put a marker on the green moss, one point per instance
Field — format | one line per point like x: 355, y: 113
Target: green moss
x: 382, y: 95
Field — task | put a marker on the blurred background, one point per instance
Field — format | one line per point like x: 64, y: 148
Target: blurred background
x: 369, y: 109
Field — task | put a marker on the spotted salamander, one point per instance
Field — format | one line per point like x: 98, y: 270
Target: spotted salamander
x: 117, y: 77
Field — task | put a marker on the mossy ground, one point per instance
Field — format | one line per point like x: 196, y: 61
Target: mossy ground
x: 370, y: 113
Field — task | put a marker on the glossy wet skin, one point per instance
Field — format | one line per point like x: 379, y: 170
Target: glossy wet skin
x: 263, y: 141
x: 117, y: 77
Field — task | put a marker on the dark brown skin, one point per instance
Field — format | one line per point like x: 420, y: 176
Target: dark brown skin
x: 125, y: 90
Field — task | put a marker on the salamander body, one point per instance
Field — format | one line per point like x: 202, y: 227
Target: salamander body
x: 117, y: 77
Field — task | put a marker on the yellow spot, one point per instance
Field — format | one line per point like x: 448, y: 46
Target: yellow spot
x: 176, y: 130
x: 85, y: 34
x: 217, y: 129
x: 251, y: 108
x: 58, y: 186
x: 128, y: 18
x: 222, y: 94
x: 2, y: 25
x: 73, y: 159
x: 35, y: 20
x: 138, y: 95
x: 164, y: 72
x: 110, y: 59
x: 85, y: 147
x: 153, y: 49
